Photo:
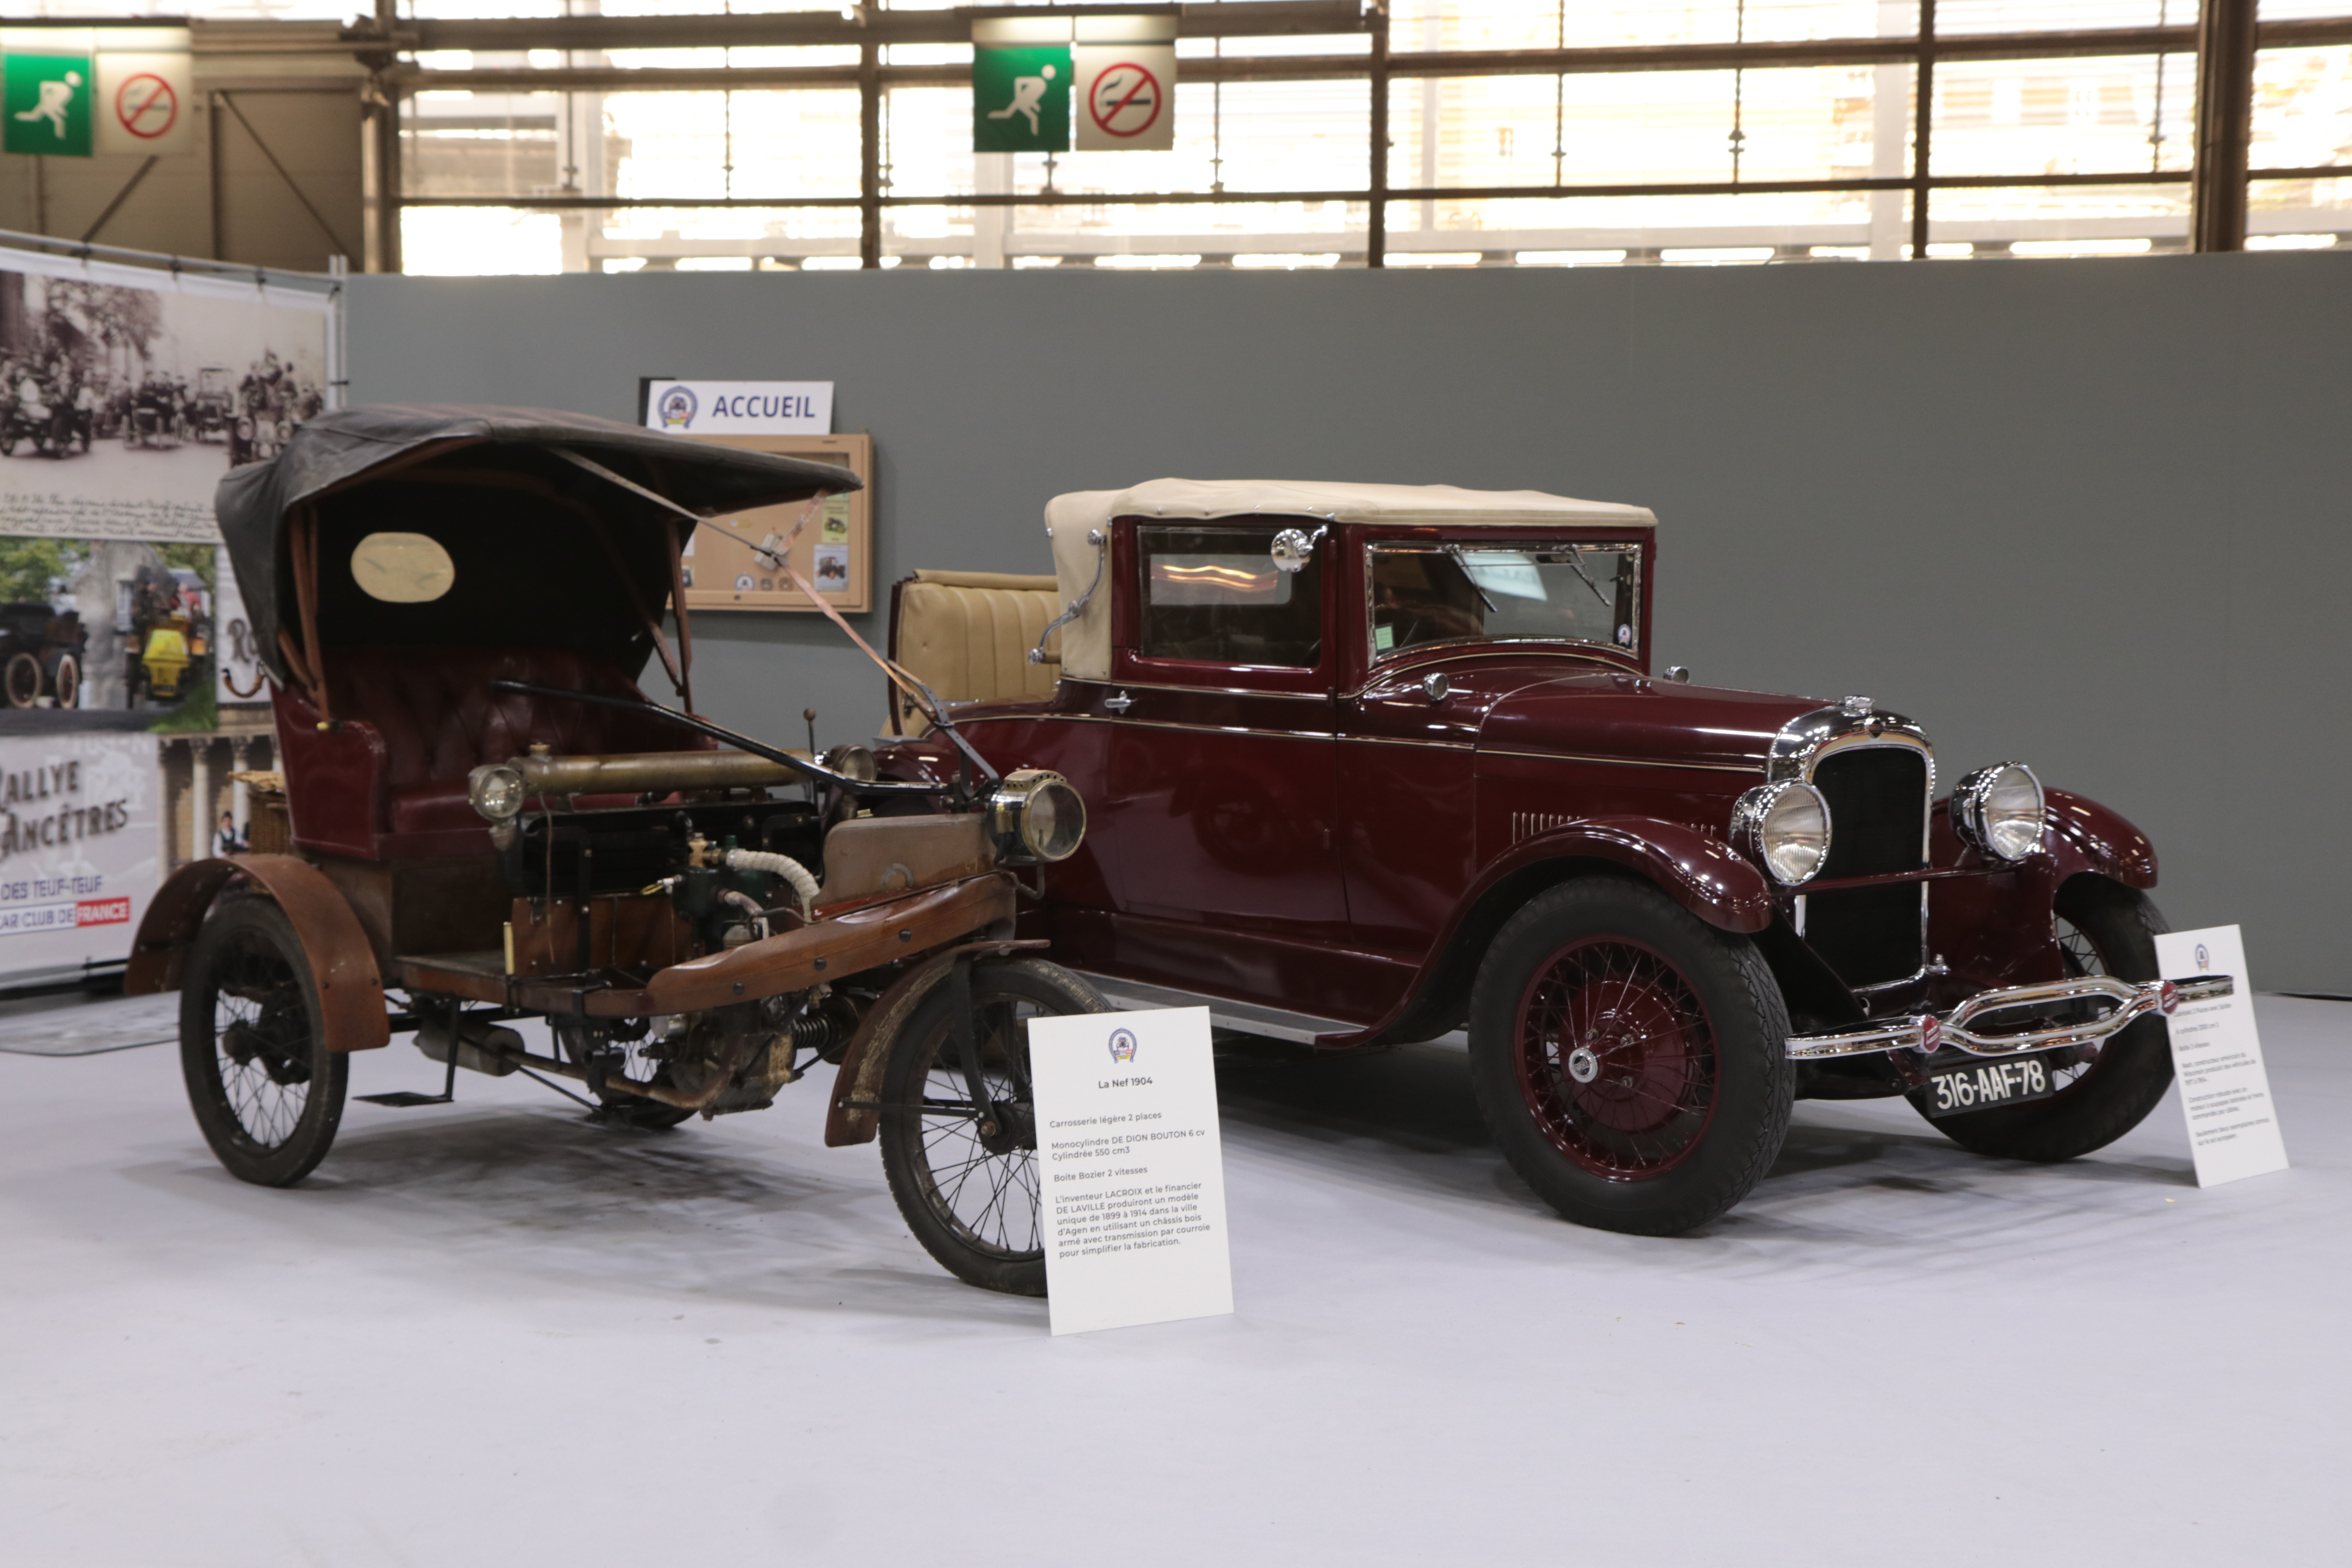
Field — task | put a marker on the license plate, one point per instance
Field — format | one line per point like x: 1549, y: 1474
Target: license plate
x: 1977, y: 1085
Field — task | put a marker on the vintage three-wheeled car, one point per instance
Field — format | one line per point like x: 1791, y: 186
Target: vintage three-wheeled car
x: 490, y: 822
x: 1368, y: 764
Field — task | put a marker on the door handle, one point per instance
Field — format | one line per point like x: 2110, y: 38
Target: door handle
x: 1119, y: 704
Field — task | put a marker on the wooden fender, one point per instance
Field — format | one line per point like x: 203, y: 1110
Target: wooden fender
x: 351, y: 990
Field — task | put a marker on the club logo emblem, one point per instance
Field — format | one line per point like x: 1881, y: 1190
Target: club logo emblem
x: 677, y: 408
x: 2204, y: 958
x: 1122, y: 1045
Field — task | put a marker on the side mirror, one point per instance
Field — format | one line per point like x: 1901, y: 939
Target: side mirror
x: 1294, y: 548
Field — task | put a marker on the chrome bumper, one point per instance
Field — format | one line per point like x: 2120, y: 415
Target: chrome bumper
x: 1927, y: 1033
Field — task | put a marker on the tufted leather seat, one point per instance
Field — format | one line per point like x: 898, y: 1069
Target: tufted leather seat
x: 967, y: 636
x: 438, y: 720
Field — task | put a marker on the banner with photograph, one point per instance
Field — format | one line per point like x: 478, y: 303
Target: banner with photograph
x: 125, y: 394
x: 79, y: 836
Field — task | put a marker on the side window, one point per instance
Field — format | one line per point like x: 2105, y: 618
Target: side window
x: 1211, y: 592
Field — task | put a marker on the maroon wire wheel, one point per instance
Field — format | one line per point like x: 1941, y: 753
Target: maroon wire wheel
x: 1617, y: 1057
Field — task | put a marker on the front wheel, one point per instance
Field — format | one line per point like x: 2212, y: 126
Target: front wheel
x: 970, y: 1195
x: 65, y: 681
x: 266, y: 1091
x: 1630, y: 1059
x: 2103, y: 1091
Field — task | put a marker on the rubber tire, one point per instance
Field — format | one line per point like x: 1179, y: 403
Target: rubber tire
x: 22, y: 679
x: 1755, y: 1088
x: 910, y: 1052
x: 65, y: 682
x: 2132, y: 1070
x: 313, y: 1133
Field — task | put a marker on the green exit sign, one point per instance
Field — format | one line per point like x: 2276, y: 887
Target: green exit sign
x: 44, y: 104
x: 1020, y: 98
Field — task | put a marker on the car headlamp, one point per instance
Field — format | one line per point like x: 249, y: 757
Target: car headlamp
x: 1785, y: 827
x: 497, y: 792
x: 1999, y: 810
x: 1036, y: 816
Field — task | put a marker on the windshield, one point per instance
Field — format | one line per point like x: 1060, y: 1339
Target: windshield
x: 1423, y: 594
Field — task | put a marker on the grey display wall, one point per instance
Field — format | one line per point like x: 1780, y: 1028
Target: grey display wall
x: 2091, y: 514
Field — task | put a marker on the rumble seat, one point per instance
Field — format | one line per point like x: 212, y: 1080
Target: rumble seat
x: 428, y: 718
x: 967, y: 636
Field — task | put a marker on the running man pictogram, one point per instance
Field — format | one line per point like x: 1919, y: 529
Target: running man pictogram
x: 1028, y: 95
x: 55, y: 96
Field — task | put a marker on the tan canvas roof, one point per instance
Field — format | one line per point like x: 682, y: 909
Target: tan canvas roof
x: 1086, y: 642
x: 1336, y: 503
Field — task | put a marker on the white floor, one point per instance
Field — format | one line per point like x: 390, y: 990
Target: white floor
x: 493, y: 1334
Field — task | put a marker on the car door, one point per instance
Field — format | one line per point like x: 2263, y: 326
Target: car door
x: 1222, y: 786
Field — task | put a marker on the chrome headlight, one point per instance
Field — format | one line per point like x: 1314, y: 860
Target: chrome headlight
x: 1999, y: 810
x: 1785, y: 827
x: 1036, y: 816
x: 497, y: 792
x: 852, y: 761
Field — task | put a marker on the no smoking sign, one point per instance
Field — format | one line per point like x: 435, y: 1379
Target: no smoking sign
x: 1129, y: 91
x: 147, y: 106
x: 142, y: 104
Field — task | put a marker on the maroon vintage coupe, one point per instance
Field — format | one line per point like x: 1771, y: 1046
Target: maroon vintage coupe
x: 1365, y: 765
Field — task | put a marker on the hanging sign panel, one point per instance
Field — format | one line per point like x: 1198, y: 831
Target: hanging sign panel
x: 1125, y: 83
x: 1021, y: 84
x: 72, y: 91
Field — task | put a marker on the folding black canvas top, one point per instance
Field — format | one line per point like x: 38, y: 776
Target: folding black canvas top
x: 560, y: 525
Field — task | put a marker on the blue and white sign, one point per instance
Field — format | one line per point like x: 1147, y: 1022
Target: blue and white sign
x: 739, y: 407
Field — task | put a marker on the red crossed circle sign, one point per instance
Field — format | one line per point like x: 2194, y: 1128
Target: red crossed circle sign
x: 1126, y: 100
x: 146, y: 105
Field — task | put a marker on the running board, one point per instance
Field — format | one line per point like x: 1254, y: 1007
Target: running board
x: 1247, y: 1017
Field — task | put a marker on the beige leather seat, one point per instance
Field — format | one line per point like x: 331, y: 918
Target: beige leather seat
x: 967, y: 636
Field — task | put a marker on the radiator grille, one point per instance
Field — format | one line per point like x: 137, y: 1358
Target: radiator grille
x: 1878, y: 803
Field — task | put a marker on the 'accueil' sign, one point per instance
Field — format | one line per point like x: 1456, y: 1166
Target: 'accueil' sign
x: 2225, y: 1091
x: 1133, y: 1176
x: 739, y: 407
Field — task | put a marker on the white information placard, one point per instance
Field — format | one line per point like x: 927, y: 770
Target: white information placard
x: 1134, y: 1187
x: 2217, y: 1057
x: 738, y: 407
x: 77, y: 841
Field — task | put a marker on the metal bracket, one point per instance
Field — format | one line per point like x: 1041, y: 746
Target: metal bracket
x: 1095, y: 537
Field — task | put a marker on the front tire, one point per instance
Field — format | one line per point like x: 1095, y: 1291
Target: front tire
x: 1631, y: 1060
x: 266, y: 1091
x: 974, y: 1200
x: 2107, y: 1090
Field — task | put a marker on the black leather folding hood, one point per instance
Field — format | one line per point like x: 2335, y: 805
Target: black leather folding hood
x: 559, y: 524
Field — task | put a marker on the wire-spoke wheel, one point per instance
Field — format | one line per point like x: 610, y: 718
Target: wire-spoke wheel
x: 965, y: 1177
x: 2103, y: 1090
x: 1630, y: 1059
x: 268, y: 1093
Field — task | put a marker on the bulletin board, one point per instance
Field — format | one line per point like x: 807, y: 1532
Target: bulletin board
x: 834, y: 552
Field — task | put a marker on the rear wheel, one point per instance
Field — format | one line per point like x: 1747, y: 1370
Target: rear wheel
x: 1630, y: 1059
x: 266, y: 1091
x: 2106, y: 1089
x: 970, y: 1196
x: 65, y: 681
x: 22, y: 678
